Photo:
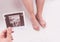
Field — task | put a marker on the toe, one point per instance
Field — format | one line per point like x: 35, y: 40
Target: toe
x: 43, y: 24
x: 36, y: 28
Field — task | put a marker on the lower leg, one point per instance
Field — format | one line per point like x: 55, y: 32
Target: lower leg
x: 40, y: 4
x: 29, y: 6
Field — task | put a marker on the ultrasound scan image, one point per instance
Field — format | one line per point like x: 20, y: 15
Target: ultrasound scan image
x: 14, y: 20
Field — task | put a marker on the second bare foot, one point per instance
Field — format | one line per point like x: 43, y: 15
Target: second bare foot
x: 41, y: 21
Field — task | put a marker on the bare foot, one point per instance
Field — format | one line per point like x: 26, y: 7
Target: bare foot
x: 41, y: 21
x: 35, y: 23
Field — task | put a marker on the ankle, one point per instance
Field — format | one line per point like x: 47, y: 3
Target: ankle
x: 39, y: 16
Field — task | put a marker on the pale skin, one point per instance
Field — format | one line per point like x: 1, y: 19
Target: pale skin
x: 37, y: 20
x: 6, y: 35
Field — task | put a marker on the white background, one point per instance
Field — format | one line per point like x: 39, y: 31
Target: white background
x: 51, y: 14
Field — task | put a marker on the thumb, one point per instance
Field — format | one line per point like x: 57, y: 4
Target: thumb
x: 9, y: 33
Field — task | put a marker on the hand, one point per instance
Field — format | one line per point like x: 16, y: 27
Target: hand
x: 6, y: 35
